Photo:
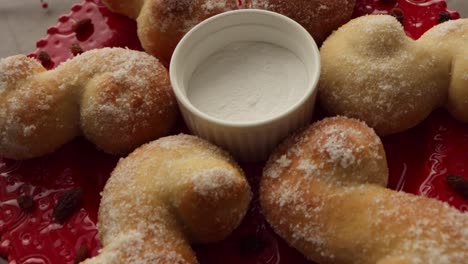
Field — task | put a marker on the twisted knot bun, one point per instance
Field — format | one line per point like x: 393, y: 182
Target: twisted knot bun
x: 318, y: 17
x: 324, y: 192
x: 373, y: 72
x: 165, y: 195
x: 163, y: 23
x: 117, y: 98
x: 449, y: 41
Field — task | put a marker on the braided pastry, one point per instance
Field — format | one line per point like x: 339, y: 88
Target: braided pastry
x: 163, y: 23
x: 117, y: 98
x: 165, y: 195
x: 372, y: 71
x: 324, y: 191
x: 318, y: 17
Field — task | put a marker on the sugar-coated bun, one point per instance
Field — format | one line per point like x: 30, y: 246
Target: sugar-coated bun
x: 324, y: 191
x: 117, y: 98
x: 166, y: 195
x: 450, y: 41
x: 318, y: 17
x: 163, y: 23
x: 372, y: 71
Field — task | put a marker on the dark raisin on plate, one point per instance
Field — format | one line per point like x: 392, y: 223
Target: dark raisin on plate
x: 444, y: 17
x: 397, y: 13
x: 81, y: 254
x: 44, y: 58
x: 459, y: 184
x: 75, y: 49
x: 67, y: 204
x: 25, y: 202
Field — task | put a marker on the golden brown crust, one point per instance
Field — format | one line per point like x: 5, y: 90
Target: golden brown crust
x: 128, y: 8
x: 324, y: 192
x: 163, y: 23
x: 373, y: 72
x: 450, y: 40
x: 118, y: 98
x: 318, y: 17
x: 167, y: 194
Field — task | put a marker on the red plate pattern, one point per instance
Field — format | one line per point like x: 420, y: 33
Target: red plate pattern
x: 419, y: 159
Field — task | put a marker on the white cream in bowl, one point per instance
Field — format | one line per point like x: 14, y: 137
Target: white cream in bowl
x: 245, y: 80
x: 248, y: 81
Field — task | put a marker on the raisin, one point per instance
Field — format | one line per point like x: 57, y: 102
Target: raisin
x: 458, y: 184
x: 67, y: 204
x: 76, y: 49
x: 444, y: 17
x: 44, y: 58
x: 25, y: 202
x: 81, y: 254
x: 397, y: 13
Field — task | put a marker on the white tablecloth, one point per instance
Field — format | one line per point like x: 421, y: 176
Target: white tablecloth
x: 459, y: 5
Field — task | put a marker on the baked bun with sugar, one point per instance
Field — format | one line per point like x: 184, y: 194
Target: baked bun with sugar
x: 117, y: 98
x: 372, y: 71
x: 163, y: 23
x: 165, y: 195
x: 449, y: 41
x: 318, y: 17
x: 323, y: 191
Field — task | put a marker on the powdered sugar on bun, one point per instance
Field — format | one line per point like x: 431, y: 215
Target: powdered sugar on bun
x: 166, y: 195
x: 319, y: 17
x: 450, y: 40
x: 323, y: 191
x: 372, y: 71
x: 163, y: 23
x: 117, y: 98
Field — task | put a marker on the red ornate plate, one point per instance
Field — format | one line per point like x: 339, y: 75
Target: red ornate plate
x: 419, y: 159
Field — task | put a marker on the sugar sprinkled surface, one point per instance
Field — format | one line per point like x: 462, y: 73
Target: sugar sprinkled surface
x: 261, y: 4
x: 213, y: 180
x: 135, y: 221
x: 315, y: 195
x: 133, y: 88
x: 337, y: 150
x: 329, y: 14
x: 182, y: 15
x: 444, y: 29
x: 13, y: 68
x: 403, y: 80
x: 210, y: 5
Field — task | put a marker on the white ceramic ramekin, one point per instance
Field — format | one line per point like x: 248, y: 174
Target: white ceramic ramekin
x: 247, y: 141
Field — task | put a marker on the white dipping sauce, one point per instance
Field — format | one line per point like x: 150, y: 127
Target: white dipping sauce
x: 248, y: 81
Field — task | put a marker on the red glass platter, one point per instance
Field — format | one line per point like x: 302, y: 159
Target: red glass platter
x: 419, y: 159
